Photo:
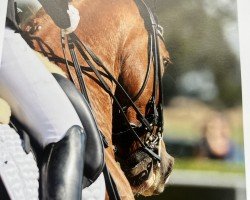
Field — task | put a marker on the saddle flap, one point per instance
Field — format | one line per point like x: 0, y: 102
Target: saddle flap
x: 94, y: 154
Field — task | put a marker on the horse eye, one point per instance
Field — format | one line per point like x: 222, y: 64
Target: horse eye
x: 165, y: 62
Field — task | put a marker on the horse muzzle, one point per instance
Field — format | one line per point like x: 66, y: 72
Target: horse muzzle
x: 138, y: 167
x: 145, y: 175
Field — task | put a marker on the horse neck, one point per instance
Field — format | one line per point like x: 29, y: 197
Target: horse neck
x: 112, y: 33
x: 118, y: 38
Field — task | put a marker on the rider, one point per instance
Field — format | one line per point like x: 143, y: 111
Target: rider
x: 38, y: 102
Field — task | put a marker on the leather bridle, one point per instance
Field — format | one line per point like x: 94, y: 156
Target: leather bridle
x: 152, y: 122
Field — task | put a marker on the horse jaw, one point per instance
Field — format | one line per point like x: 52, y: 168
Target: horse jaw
x: 158, y: 176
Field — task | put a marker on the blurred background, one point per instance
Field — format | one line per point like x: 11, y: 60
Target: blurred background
x: 202, y: 99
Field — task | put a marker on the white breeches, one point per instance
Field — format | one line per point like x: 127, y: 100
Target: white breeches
x: 34, y: 96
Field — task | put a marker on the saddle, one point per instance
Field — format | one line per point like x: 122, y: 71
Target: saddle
x: 94, y: 156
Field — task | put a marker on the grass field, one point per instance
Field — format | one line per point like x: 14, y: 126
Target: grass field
x: 209, y: 165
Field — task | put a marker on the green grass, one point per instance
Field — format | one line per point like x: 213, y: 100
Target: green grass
x: 209, y: 165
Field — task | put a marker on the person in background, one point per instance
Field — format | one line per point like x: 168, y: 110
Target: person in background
x: 216, y: 142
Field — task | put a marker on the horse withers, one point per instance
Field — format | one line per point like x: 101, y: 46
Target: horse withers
x: 117, y: 32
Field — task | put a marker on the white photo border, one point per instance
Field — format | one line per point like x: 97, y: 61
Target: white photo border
x: 244, y: 36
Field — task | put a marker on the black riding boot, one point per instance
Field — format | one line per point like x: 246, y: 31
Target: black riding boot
x: 62, y: 167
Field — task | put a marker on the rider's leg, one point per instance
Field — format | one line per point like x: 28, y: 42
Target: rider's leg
x: 35, y: 98
x: 40, y: 104
x: 60, y: 172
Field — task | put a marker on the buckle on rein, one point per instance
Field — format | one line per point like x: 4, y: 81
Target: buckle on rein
x: 153, y: 143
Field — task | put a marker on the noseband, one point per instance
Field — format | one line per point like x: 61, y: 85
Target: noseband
x: 152, y: 122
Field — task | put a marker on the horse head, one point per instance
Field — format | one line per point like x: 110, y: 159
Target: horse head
x: 139, y: 145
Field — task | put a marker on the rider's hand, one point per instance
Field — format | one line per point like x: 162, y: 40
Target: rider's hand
x: 74, y: 20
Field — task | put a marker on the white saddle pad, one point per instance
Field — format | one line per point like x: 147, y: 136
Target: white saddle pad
x: 18, y: 170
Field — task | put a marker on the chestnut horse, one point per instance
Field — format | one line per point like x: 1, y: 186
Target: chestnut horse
x: 115, y: 31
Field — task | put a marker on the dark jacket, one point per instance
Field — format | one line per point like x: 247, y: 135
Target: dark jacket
x: 57, y: 9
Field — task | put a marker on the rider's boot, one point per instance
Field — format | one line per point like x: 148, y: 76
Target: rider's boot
x: 62, y: 167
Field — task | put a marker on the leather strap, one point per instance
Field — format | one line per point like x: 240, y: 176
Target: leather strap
x: 94, y: 158
x: 110, y: 185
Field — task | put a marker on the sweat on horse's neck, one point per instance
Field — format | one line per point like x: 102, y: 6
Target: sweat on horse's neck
x: 115, y: 32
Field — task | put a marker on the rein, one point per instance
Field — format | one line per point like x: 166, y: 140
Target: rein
x: 154, y: 120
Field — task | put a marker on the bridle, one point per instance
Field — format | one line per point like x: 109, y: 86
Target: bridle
x: 152, y: 122
x: 153, y: 119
